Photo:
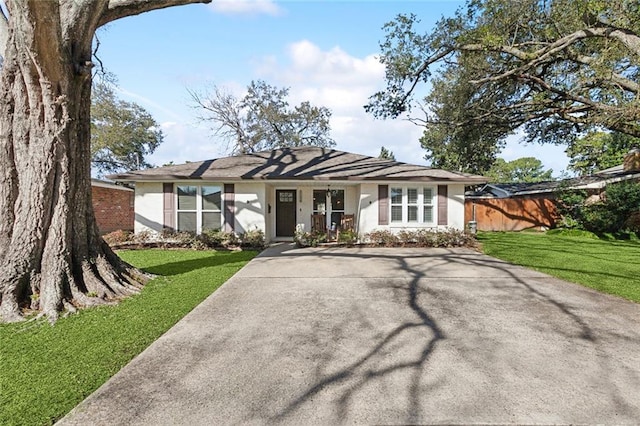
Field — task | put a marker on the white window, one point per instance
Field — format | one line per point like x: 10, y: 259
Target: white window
x: 412, y: 205
x: 396, y: 205
x: 199, y: 208
x: 427, y: 205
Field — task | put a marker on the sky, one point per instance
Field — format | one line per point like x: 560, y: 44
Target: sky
x: 325, y: 52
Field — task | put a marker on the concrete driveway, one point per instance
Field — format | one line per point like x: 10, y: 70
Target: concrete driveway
x: 384, y: 336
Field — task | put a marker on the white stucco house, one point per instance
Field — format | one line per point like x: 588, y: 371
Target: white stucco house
x: 279, y: 191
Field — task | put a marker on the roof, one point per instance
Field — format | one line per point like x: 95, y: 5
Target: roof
x: 595, y: 181
x: 109, y: 184
x: 303, y: 163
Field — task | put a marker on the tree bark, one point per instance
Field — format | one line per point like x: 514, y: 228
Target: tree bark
x: 51, y: 254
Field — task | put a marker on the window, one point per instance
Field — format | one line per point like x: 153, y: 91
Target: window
x: 187, y: 211
x: 427, y: 205
x: 412, y: 205
x: 211, y: 197
x: 396, y: 204
x: 329, y: 202
x: 337, y: 206
x: 199, y: 208
x: 319, y: 201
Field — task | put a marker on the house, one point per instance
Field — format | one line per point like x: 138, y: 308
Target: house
x: 282, y: 190
x: 113, y: 206
x: 519, y: 206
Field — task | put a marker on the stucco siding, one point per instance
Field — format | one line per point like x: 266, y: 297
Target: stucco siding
x: 148, y: 207
x: 368, y: 217
x: 250, y: 207
x: 455, y: 207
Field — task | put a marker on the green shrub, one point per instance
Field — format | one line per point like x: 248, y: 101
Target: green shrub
x: 619, y: 211
x: 348, y: 237
x: 253, y: 239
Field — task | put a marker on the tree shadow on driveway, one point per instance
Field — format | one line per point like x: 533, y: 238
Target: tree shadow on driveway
x: 425, y: 294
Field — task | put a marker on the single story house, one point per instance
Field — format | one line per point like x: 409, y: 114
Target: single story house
x: 519, y: 206
x: 283, y: 190
x: 113, y: 206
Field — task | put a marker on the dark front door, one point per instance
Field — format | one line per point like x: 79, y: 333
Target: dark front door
x: 285, y: 212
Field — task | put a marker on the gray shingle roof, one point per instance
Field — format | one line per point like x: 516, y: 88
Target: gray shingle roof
x: 304, y: 163
x: 595, y: 181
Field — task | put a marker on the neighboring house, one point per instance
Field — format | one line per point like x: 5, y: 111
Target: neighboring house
x: 519, y: 206
x: 279, y: 191
x: 112, y: 205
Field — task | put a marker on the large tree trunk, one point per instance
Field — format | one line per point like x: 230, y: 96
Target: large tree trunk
x: 52, y: 257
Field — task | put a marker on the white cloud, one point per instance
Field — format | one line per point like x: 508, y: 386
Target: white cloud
x: 246, y: 7
x: 308, y: 64
x: 343, y: 83
x: 185, y: 142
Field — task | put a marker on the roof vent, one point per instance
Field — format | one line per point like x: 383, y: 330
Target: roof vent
x: 632, y: 161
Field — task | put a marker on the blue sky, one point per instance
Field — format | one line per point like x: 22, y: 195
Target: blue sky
x: 324, y: 51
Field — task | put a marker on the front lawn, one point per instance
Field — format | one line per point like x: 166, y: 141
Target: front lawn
x: 45, y: 371
x: 609, y: 266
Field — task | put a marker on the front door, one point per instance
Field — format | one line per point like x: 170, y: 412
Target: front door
x: 285, y: 212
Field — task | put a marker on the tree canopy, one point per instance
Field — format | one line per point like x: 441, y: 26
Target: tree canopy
x: 555, y: 68
x: 122, y: 133
x: 525, y: 169
x: 386, y: 154
x: 262, y: 119
x: 598, y: 151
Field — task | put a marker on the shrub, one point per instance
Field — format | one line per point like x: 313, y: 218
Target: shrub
x: 142, y: 237
x: 309, y: 239
x: 422, y: 238
x: 184, y: 239
x: 382, y: 238
x: 219, y: 239
x: 117, y: 237
x: 617, y: 212
x: 253, y: 239
x: 348, y: 237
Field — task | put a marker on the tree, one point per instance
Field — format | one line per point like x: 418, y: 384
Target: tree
x: 555, y: 67
x: 51, y: 254
x: 470, y: 149
x: 262, y: 120
x: 525, y: 169
x: 385, y: 154
x: 599, y: 150
x: 122, y: 133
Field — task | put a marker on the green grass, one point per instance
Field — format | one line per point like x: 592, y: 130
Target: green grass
x: 45, y: 371
x: 608, y: 266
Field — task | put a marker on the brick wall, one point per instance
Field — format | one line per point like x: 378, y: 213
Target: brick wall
x: 113, y: 208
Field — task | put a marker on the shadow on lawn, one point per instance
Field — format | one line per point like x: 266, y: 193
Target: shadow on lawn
x: 189, y: 265
x: 629, y: 252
